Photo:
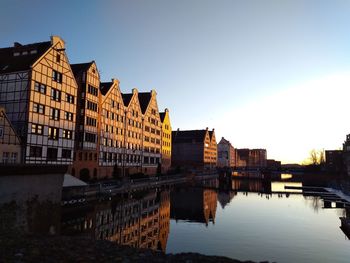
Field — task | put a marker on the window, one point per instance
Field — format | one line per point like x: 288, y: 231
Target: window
x: 13, y: 157
x: 58, y: 58
x: 5, y: 157
x: 69, y: 98
x: 53, y: 133
x: 90, y: 137
x: 37, y: 129
x: 39, y: 108
x: 91, y: 121
x: 91, y: 106
x: 35, y: 151
x: 55, y: 94
x: 40, y: 87
x: 67, y: 134
x: 66, y: 154
x: 1, y: 132
x: 68, y: 116
x: 51, y: 154
x: 54, y: 114
x: 57, y: 76
x: 92, y: 90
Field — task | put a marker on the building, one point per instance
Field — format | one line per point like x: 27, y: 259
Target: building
x: 194, y: 149
x: 226, y: 154
x: 38, y: 91
x: 87, y: 120
x: 346, y: 154
x: 166, y: 140
x: 64, y: 114
x: 10, y: 145
x: 151, y: 132
x: 273, y: 164
x: 334, y: 160
x: 251, y: 158
x: 242, y: 157
x: 113, y: 138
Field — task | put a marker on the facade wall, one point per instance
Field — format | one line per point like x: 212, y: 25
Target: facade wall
x: 14, y: 90
x: 112, y: 130
x: 152, y: 129
x: 53, y: 75
x: 35, y: 102
x: 166, y: 142
x: 87, y: 123
x: 10, y: 147
x: 210, y: 150
x: 226, y: 154
x: 187, y: 154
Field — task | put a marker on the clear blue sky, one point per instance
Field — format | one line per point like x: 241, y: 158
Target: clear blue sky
x: 262, y: 73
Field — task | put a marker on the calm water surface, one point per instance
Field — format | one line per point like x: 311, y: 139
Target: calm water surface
x: 243, y: 219
x: 251, y: 226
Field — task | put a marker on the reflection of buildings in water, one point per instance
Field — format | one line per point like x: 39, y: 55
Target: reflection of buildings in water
x: 142, y: 220
x: 225, y: 197
x: 194, y: 205
x: 263, y: 186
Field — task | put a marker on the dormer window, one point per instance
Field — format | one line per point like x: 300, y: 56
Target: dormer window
x: 34, y: 51
x: 25, y: 53
x: 16, y: 54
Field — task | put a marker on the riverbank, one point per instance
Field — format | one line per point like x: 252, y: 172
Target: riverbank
x: 53, y: 249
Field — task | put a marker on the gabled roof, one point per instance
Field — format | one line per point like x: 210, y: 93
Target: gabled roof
x: 81, y: 67
x: 188, y: 136
x: 211, y: 134
x: 127, y: 98
x: 20, y: 62
x: 144, y: 99
x: 105, y: 87
x: 162, y: 116
x: 224, y: 141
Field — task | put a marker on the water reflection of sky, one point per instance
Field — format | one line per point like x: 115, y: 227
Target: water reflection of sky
x: 254, y: 227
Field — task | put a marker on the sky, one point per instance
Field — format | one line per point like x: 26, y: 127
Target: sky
x: 265, y: 74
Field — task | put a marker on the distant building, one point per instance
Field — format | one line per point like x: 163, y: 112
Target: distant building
x: 273, y: 164
x: 334, y: 160
x: 346, y: 154
x: 251, y: 158
x: 226, y: 154
x: 10, y: 147
x: 166, y: 140
x: 194, y: 149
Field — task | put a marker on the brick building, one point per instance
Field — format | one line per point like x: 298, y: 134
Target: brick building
x: 251, y: 158
x: 194, y: 149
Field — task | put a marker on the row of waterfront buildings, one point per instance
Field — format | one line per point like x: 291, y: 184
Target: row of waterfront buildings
x: 57, y: 113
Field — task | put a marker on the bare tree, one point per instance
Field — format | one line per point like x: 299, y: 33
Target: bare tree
x: 316, y: 157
